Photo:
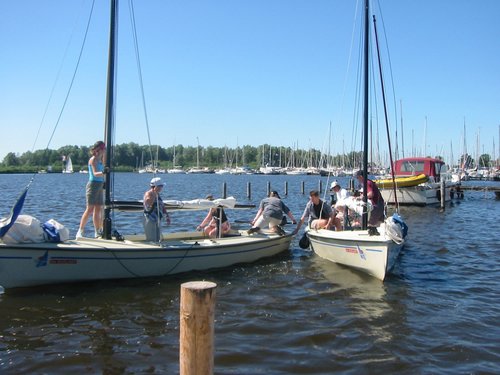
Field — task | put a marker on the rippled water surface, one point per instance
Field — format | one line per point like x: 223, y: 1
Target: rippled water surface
x: 437, y: 313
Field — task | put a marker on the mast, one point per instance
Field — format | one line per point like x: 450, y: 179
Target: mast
x: 110, y: 117
x: 364, y: 223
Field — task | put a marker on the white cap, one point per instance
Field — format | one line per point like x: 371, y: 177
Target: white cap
x: 156, y: 181
x: 333, y: 184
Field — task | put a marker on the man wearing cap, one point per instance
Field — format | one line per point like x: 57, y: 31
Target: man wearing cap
x: 373, y: 194
x: 340, y: 193
x: 270, y: 213
x: 154, y: 209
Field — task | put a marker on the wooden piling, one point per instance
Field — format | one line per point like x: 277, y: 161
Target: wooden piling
x: 286, y: 188
x: 268, y: 188
x: 224, y: 190
x: 443, y: 193
x: 320, y: 186
x: 197, y: 310
x: 302, y: 187
x: 249, y: 190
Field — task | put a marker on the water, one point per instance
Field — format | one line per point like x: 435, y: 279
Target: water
x: 437, y: 313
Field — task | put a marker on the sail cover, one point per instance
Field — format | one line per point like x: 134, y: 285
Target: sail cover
x: 6, y: 223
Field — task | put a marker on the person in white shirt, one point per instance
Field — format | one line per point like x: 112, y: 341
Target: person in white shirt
x: 340, y: 194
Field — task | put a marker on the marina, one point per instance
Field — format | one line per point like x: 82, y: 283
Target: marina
x: 436, y: 312
x: 281, y: 255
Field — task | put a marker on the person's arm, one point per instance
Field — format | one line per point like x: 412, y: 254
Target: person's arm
x: 148, y: 200
x: 205, y: 220
x: 256, y: 216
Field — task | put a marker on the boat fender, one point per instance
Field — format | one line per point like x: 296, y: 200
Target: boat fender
x: 393, y: 231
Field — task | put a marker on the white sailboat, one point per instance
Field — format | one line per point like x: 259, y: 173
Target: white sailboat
x: 360, y: 249
x: 67, y: 164
x: 176, y: 169
x: 115, y: 256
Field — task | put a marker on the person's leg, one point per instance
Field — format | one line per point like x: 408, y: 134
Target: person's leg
x: 97, y: 219
x: 89, y: 210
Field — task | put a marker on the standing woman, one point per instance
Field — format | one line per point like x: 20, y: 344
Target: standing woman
x: 154, y: 209
x: 94, y: 191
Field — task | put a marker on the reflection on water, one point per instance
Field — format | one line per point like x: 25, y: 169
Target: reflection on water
x: 437, y: 312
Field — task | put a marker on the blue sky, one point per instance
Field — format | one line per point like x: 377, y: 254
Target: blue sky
x: 238, y: 72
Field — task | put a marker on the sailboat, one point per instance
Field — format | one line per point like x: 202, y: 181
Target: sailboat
x: 116, y: 256
x: 67, y: 164
x: 176, y: 169
x: 361, y: 249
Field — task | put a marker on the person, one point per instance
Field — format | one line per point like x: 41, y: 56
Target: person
x: 210, y: 223
x: 271, y: 212
x: 373, y: 195
x: 340, y: 195
x: 319, y: 213
x: 94, y: 191
x: 154, y: 210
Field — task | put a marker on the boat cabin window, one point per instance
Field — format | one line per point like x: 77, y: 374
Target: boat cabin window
x: 413, y: 167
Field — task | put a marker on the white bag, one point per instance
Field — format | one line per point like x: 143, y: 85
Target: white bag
x: 26, y: 229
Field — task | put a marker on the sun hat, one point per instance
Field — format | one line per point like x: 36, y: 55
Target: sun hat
x: 334, y: 183
x: 156, y: 181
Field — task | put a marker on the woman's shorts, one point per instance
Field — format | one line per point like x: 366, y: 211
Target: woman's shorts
x: 95, y: 193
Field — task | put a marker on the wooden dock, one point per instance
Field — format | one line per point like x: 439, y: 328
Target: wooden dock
x: 494, y: 189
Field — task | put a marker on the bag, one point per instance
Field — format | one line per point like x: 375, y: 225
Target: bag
x: 304, y: 242
x: 54, y: 231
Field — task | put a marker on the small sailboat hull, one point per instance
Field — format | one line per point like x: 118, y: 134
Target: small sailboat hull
x: 374, y: 255
x: 25, y: 265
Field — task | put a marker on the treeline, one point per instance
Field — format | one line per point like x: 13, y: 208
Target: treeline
x: 131, y: 156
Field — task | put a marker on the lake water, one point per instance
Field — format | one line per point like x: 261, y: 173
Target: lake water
x: 436, y: 313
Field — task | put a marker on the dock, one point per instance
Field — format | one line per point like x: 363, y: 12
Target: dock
x: 494, y: 189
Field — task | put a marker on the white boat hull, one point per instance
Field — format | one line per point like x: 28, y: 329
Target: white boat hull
x: 421, y: 195
x: 374, y: 255
x: 88, y: 259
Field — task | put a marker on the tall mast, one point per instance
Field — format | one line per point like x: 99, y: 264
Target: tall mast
x: 110, y: 116
x: 365, y: 117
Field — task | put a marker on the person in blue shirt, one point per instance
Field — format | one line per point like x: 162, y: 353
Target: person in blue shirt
x: 94, y: 191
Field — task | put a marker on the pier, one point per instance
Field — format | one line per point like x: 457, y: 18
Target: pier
x: 494, y: 189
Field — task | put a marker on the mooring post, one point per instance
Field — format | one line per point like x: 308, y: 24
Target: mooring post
x: 286, y: 188
x: 249, y: 190
x: 443, y: 193
x: 320, y: 186
x: 224, y: 190
x: 268, y: 187
x: 302, y: 187
x: 197, y: 310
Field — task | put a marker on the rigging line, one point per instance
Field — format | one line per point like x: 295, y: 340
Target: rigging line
x: 139, y: 72
x: 391, y: 75
x: 54, y: 85
x: 74, y: 75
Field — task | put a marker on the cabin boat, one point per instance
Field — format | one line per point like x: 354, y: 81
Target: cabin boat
x: 418, y: 182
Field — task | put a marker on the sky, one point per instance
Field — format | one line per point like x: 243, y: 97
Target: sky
x: 251, y: 72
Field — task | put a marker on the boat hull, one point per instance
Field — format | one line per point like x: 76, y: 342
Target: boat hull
x: 421, y: 195
x: 27, y: 265
x: 374, y: 255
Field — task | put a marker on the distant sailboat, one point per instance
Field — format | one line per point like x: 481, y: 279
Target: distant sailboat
x: 67, y: 164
